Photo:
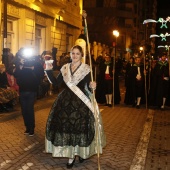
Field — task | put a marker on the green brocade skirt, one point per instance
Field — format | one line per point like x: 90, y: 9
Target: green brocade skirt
x: 72, y: 129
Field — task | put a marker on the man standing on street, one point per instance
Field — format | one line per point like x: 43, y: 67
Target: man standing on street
x: 137, y: 84
x: 29, y: 74
x: 160, y: 85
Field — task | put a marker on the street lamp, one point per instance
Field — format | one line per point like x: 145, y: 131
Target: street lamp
x: 141, y: 51
x: 141, y: 48
x: 116, y: 34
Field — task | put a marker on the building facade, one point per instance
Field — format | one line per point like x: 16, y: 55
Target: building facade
x: 126, y: 16
x: 40, y: 24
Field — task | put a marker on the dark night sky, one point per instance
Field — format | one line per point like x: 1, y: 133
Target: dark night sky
x: 163, y: 9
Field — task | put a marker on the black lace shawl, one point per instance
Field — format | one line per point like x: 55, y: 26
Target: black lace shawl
x: 70, y: 121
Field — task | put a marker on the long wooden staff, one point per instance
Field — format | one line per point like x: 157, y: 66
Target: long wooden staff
x: 149, y: 67
x: 146, y: 97
x: 96, y: 117
x: 114, y: 64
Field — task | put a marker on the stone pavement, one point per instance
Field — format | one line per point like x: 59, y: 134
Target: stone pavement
x: 137, y: 139
x: 158, y: 151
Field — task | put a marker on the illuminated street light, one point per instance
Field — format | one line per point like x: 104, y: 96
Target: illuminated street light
x: 116, y: 34
x: 141, y: 48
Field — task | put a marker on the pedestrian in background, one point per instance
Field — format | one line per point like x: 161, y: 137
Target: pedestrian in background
x: 105, y: 81
x: 136, y: 76
x: 100, y: 77
x: 108, y: 81
x: 160, y: 83
x: 128, y: 86
x: 70, y: 129
x: 28, y: 74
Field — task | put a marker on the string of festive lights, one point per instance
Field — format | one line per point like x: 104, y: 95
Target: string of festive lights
x: 164, y: 46
x: 161, y: 20
x: 163, y: 36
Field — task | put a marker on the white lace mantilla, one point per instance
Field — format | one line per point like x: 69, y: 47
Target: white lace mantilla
x: 82, y: 71
x: 73, y: 80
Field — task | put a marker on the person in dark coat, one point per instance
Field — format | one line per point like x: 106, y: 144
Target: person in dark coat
x: 128, y: 93
x: 160, y: 85
x: 100, y: 94
x: 28, y: 74
x: 106, y: 81
x: 136, y: 84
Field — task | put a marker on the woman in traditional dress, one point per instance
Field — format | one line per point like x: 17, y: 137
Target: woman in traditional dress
x: 74, y: 126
